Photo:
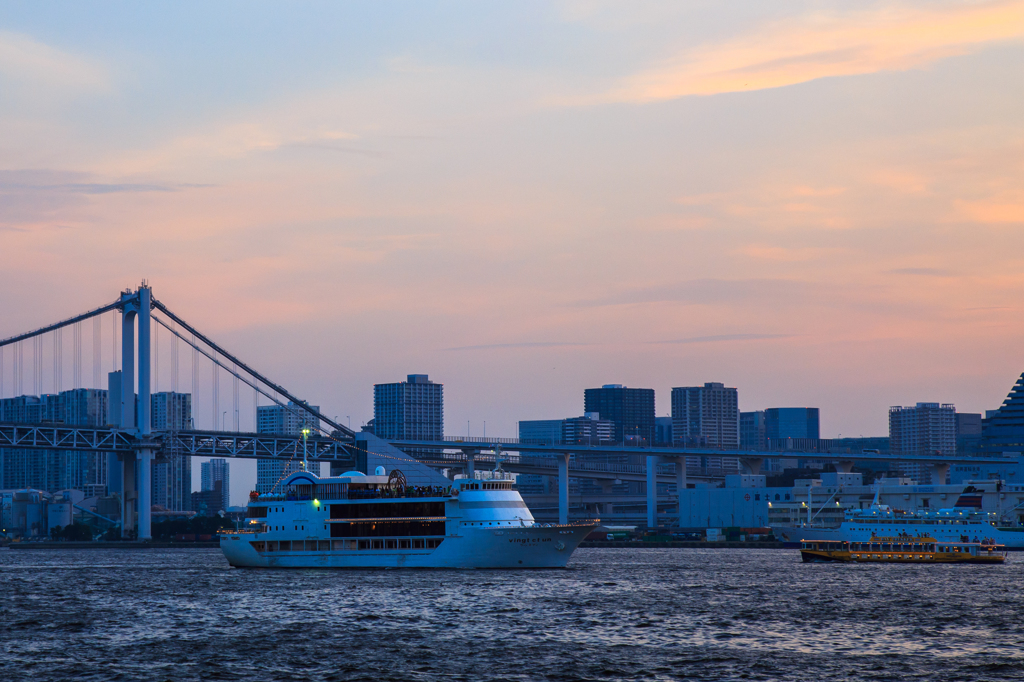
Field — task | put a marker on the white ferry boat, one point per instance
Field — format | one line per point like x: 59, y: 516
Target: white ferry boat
x: 360, y: 521
x: 879, y: 520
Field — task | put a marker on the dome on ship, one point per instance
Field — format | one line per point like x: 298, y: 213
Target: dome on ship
x: 353, y: 473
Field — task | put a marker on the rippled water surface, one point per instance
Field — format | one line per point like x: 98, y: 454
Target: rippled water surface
x: 613, y: 614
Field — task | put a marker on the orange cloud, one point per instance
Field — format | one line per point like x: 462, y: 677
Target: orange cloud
x: 824, y: 45
x: 990, y: 211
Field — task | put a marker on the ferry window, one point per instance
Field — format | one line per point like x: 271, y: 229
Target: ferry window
x: 417, y: 544
x: 377, y: 544
x: 776, y: 497
x: 787, y: 496
x: 390, y: 544
x: 364, y: 544
x: 403, y: 544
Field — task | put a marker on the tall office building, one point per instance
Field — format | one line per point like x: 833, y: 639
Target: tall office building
x: 412, y: 409
x: 1003, y: 429
x: 54, y: 470
x: 753, y: 434
x: 968, y: 433
x: 171, y: 480
x: 287, y: 420
x: 925, y: 429
x: 791, y: 422
x: 706, y: 415
x: 663, y: 430
x: 631, y: 410
x: 215, y: 475
x: 588, y: 429
x: 541, y: 431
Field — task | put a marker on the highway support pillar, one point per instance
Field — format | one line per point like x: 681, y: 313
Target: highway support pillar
x: 470, y: 463
x: 680, y: 487
x: 844, y: 466
x: 652, y: 491
x: 751, y: 465
x: 563, y: 487
x: 939, y: 472
x: 128, y: 494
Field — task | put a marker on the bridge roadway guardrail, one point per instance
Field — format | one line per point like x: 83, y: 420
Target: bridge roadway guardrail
x: 195, y: 443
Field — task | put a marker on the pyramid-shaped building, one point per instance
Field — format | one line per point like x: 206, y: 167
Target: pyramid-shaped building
x: 1003, y: 429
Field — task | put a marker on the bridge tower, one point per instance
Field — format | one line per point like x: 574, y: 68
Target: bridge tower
x: 135, y: 413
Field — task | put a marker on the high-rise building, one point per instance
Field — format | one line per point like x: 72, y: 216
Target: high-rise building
x: 209, y: 502
x: 706, y: 415
x: 663, y: 430
x: 781, y: 423
x: 287, y: 420
x: 411, y: 409
x: 171, y: 481
x: 541, y: 431
x: 1003, y: 429
x: 925, y: 429
x: 631, y: 410
x: 968, y: 433
x: 53, y: 470
x: 213, y: 472
x: 753, y: 435
x: 588, y: 429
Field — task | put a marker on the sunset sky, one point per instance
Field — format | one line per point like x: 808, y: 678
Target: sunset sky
x: 819, y: 205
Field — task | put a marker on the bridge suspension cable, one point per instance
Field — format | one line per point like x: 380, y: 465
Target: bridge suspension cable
x: 247, y: 381
x: 59, y: 325
x: 301, y: 404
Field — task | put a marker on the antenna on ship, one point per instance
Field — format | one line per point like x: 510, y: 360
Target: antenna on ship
x: 498, y: 459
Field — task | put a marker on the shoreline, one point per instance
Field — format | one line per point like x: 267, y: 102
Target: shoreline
x: 160, y: 544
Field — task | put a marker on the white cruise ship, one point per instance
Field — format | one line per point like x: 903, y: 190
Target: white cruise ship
x: 360, y: 521
x: 879, y: 520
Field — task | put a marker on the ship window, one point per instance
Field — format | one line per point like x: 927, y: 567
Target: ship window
x: 364, y: 544
x: 417, y: 544
x: 787, y: 496
x: 390, y: 544
x: 776, y: 497
x: 377, y: 544
x: 403, y: 544
x: 286, y: 545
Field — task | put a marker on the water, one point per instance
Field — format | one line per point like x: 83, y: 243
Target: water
x: 654, y: 614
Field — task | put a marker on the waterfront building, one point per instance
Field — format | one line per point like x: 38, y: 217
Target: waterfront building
x: 541, y: 431
x: 968, y: 433
x: 663, y: 430
x: 171, y: 481
x: 925, y: 429
x: 588, y: 429
x: 753, y: 435
x: 1003, y: 429
x: 54, y: 470
x: 214, y: 471
x: 284, y: 420
x: 209, y: 502
x: 631, y: 410
x: 791, y: 422
x: 706, y: 416
x: 411, y: 409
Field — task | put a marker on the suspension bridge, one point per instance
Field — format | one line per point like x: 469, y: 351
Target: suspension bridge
x: 126, y: 432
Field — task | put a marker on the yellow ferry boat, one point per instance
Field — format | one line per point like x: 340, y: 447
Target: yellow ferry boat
x: 903, y: 550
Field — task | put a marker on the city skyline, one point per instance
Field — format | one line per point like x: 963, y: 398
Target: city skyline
x: 545, y: 200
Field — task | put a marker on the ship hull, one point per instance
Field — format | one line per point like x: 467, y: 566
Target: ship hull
x: 526, y: 547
